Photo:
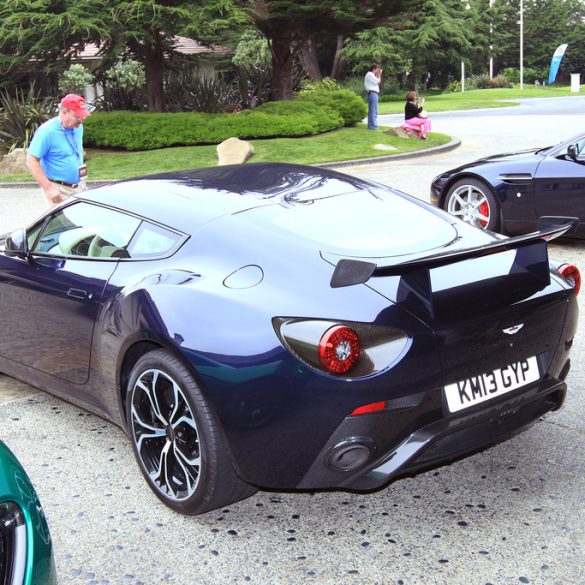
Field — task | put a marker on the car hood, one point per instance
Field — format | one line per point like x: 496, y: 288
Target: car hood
x: 524, y: 156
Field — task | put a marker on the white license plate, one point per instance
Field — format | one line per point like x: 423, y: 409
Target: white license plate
x: 483, y: 387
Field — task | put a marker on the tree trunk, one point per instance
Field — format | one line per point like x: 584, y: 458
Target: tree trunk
x: 154, y: 67
x: 282, y: 68
x: 308, y: 55
x: 338, y: 61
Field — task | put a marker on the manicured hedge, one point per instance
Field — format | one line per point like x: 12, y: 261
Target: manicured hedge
x: 307, y: 115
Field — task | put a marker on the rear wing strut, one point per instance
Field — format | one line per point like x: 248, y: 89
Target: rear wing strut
x: 349, y: 272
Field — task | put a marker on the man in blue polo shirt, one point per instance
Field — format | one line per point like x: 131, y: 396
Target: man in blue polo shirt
x: 55, y: 154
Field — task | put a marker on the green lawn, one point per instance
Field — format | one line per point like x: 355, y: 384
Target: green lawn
x: 480, y: 98
x: 345, y: 144
x: 340, y: 145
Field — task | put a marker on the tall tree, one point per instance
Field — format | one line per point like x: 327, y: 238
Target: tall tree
x: 34, y: 32
x: 288, y: 24
x: 547, y: 24
x: 428, y: 37
x: 144, y: 27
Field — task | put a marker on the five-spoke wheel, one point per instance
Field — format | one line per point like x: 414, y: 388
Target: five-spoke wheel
x: 474, y: 202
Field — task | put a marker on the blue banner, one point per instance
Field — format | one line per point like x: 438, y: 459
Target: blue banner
x: 556, y: 62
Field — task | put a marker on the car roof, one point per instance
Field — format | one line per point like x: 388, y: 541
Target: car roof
x: 186, y: 200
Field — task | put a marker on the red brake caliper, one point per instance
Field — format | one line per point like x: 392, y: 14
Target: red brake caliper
x: 484, y: 209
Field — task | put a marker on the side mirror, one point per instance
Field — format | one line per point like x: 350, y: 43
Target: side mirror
x: 16, y: 244
x: 573, y: 151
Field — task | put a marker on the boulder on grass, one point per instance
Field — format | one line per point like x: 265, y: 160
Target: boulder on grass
x: 234, y: 151
x: 401, y: 133
x: 14, y: 162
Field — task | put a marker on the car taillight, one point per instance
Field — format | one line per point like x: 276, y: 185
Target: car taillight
x: 339, y: 349
x: 572, y: 274
x: 347, y: 349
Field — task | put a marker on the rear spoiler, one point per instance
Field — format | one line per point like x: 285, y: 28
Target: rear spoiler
x: 349, y: 272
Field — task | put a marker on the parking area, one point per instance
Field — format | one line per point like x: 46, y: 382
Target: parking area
x: 512, y: 514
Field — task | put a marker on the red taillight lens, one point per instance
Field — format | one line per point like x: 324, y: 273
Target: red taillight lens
x: 572, y: 274
x: 339, y: 349
x: 368, y: 408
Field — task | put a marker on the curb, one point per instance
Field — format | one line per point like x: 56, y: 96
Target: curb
x: 455, y: 142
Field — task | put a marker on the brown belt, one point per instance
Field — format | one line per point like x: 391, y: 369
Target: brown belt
x: 72, y: 185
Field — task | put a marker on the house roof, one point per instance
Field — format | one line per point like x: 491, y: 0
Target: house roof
x: 182, y: 45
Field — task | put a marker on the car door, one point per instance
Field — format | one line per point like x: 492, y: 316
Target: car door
x: 559, y: 184
x: 49, y: 301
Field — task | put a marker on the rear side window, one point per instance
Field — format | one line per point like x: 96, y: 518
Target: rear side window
x: 152, y: 241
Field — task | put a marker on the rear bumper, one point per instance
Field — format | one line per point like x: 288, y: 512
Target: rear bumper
x: 352, y: 458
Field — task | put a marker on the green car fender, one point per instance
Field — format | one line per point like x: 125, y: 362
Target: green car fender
x: 26, y: 549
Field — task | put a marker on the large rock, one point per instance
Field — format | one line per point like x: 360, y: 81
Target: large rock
x: 14, y: 162
x: 234, y: 151
x: 401, y: 133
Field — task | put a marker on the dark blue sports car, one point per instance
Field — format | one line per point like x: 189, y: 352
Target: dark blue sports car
x: 278, y: 326
x: 508, y: 193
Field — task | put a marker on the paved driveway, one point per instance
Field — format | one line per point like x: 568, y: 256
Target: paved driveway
x: 513, y: 514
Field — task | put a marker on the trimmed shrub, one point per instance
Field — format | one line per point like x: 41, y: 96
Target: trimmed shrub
x: 304, y: 116
x: 350, y: 107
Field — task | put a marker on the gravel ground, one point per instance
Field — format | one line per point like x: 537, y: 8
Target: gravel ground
x: 513, y: 514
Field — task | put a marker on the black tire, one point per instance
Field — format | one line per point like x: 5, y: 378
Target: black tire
x: 474, y: 202
x: 173, y: 430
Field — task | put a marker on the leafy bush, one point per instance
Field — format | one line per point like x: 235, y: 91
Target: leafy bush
x: 485, y: 82
x: 254, y: 62
x: 307, y: 115
x: 187, y: 91
x: 123, y: 85
x: 21, y: 113
x: 355, y: 84
x: 75, y: 79
x: 126, y: 75
x: 512, y: 74
x: 390, y: 88
x: 531, y: 75
x: 325, y: 84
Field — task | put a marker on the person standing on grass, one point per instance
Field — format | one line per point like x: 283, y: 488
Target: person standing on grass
x: 55, y: 154
x: 372, y: 85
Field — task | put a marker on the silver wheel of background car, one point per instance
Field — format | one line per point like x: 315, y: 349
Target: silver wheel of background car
x: 473, y: 202
x: 177, y: 439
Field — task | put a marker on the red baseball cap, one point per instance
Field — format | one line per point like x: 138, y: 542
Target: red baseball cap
x: 76, y: 104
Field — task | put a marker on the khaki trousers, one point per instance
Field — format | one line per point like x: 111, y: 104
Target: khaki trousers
x: 66, y: 191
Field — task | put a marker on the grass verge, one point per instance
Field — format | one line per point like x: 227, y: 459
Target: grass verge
x: 340, y: 145
x: 481, y: 98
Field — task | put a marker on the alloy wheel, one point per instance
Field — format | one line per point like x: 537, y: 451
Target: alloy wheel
x: 471, y: 205
x: 165, y: 434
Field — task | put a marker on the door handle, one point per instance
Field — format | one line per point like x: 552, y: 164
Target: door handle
x: 77, y: 293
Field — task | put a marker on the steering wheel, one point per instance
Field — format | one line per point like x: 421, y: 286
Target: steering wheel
x: 103, y: 246
x: 70, y: 239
